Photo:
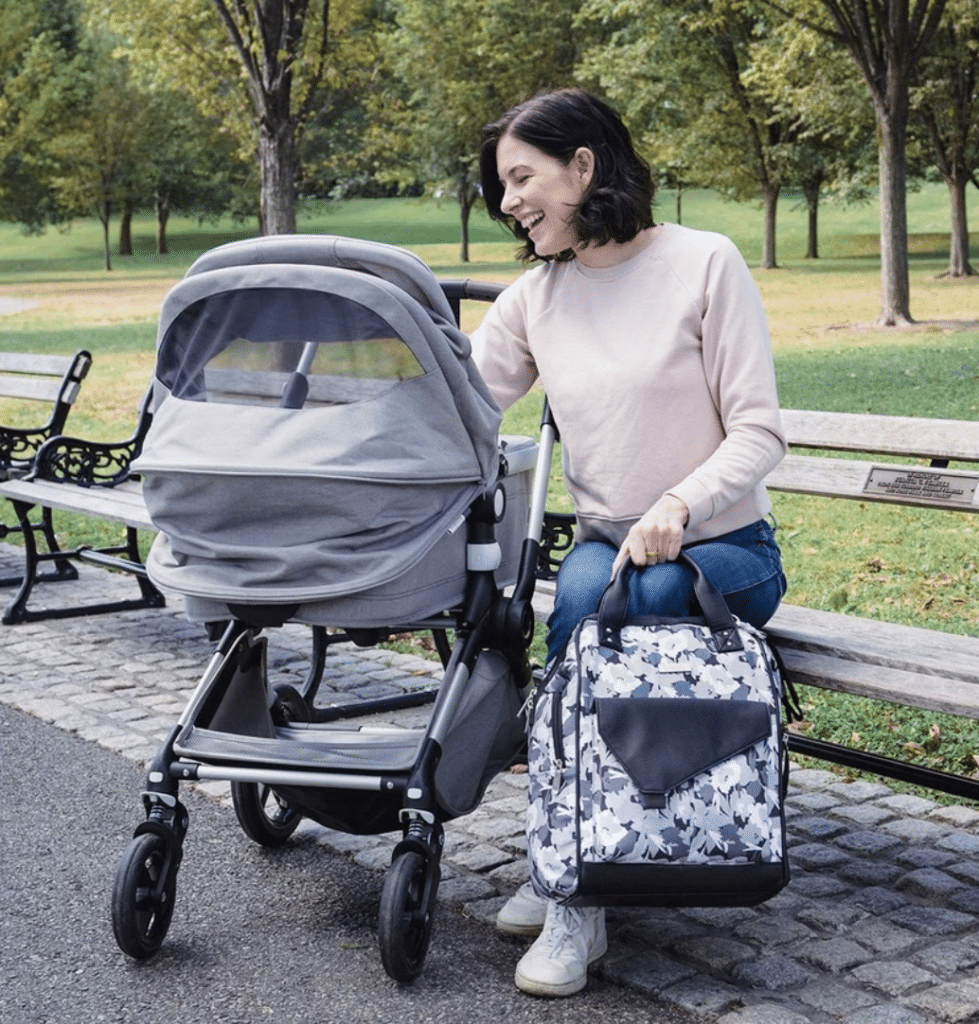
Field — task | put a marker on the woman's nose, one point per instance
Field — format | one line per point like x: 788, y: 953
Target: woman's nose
x: 510, y: 200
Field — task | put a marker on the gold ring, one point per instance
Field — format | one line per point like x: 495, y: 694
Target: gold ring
x: 652, y: 554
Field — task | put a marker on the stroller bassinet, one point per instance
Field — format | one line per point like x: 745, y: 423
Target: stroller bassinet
x: 323, y: 450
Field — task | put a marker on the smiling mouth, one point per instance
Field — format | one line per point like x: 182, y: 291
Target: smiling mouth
x: 531, y: 222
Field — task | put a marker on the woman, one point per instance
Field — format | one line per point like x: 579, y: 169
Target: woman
x: 651, y: 343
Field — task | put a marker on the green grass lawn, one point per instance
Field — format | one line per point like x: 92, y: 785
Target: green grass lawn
x: 894, y: 564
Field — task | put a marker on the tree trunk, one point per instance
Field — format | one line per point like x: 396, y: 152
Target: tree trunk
x: 162, y: 216
x: 277, y: 154
x: 958, y: 259
x: 104, y: 216
x: 811, y: 192
x: 768, y: 261
x: 126, y: 231
x: 464, y: 210
x: 679, y: 201
x: 895, y: 289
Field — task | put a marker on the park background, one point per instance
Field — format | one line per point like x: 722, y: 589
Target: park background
x: 134, y: 137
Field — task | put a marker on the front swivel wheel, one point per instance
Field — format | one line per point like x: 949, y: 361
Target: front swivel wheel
x: 405, y: 919
x: 143, y: 894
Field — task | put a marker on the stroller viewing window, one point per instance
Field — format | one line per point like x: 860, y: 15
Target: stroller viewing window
x: 282, y: 347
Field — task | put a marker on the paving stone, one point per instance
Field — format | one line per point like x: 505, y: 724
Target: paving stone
x: 960, y: 842
x: 915, y: 830
x: 464, y: 889
x: 813, y: 886
x: 954, y: 1001
x: 868, y: 843
x: 908, y: 805
x: 811, y: 778
x: 924, y: 857
x: 648, y: 971
x: 929, y: 883
x: 869, y: 872
x: 834, y: 955
x: 890, y: 1014
x: 933, y: 920
x: 718, y: 953
x: 702, y: 997
x: 830, y: 917
x: 481, y: 857
x: 835, y: 998
x: 812, y: 803
x: 764, y: 1013
x: 775, y: 973
x: 865, y: 815
x: 768, y: 932
x: 947, y: 958
x: 814, y: 827
x: 893, y: 977
x: 959, y: 815
x: 818, y: 856
x: 858, y: 792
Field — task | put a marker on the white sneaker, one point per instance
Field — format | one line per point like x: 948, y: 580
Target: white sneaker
x: 557, y: 963
x: 523, y: 913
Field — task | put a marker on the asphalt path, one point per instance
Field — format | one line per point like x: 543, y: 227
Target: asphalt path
x: 284, y: 936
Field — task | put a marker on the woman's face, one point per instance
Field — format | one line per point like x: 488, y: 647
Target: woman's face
x: 541, y: 192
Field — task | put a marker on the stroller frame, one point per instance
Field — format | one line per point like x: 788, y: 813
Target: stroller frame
x: 283, y: 759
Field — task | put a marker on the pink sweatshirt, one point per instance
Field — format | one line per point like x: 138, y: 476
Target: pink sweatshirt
x: 659, y: 373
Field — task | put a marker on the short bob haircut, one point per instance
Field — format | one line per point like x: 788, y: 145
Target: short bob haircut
x: 618, y: 203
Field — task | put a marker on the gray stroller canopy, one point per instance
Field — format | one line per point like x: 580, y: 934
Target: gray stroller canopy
x: 318, y: 423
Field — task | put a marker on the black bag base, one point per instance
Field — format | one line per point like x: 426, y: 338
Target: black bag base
x: 678, y: 885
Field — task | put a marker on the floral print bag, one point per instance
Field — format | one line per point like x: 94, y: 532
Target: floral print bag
x: 657, y: 761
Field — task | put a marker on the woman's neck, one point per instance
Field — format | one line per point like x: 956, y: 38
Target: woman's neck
x: 599, y: 257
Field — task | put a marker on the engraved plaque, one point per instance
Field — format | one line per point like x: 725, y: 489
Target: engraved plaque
x: 933, y: 485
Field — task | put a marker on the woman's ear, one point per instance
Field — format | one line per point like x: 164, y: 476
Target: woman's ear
x: 584, y: 164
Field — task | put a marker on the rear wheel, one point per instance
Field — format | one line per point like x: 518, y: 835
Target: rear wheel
x: 263, y: 815
x: 143, y: 895
x: 405, y: 918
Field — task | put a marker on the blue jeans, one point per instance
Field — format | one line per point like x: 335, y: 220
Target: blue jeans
x: 745, y: 566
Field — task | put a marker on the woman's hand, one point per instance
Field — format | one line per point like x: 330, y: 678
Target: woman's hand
x: 657, y: 537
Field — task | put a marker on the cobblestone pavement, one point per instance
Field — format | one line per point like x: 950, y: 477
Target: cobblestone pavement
x: 879, y: 925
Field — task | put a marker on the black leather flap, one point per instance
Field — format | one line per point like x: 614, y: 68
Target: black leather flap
x: 663, y: 742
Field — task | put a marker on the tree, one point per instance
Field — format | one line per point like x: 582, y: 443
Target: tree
x: 100, y: 157
x: 680, y: 74
x: 945, y: 101
x: 427, y: 117
x: 886, y: 39
x: 40, y: 65
x: 834, y: 146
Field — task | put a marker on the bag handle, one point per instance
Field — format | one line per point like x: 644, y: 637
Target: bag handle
x: 613, y: 609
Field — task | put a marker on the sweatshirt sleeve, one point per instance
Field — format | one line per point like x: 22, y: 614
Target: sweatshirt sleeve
x: 501, y: 351
x: 741, y: 377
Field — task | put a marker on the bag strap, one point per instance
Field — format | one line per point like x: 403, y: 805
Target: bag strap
x: 613, y: 608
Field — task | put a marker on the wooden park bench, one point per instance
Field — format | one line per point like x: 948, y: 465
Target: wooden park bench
x: 834, y: 455
x: 51, y: 382
x: 87, y: 478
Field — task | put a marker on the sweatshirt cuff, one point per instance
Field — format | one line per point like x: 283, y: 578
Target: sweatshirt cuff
x: 700, y: 504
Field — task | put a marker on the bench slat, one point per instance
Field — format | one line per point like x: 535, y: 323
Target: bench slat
x: 887, y: 644
x: 847, y: 478
x: 24, y: 362
x: 120, y: 504
x: 33, y: 388
x: 888, y: 684
x: 907, y: 436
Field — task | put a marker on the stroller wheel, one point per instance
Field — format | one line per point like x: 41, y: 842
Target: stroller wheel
x: 263, y: 815
x: 143, y: 895
x: 405, y: 919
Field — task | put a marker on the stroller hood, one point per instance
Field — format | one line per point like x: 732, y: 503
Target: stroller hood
x: 317, y: 429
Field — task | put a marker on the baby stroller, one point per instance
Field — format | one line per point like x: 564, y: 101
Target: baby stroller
x: 324, y: 452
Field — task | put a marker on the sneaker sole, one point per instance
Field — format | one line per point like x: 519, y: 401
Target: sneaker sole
x: 523, y: 930
x: 569, y: 988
